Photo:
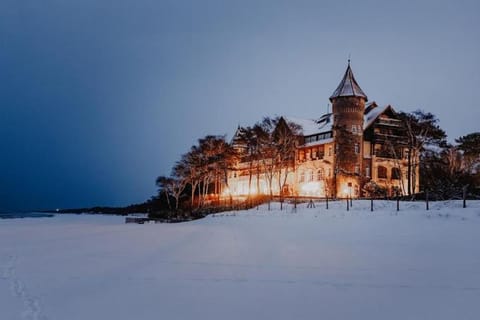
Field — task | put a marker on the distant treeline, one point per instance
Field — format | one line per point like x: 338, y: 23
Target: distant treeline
x: 154, y: 204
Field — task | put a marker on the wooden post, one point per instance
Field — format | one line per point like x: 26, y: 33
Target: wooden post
x: 327, y: 202
x: 371, y: 204
x: 426, y: 199
x: 398, y: 203
x: 294, y: 202
x: 351, y: 201
x: 464, y: 196
x: 348, y: 207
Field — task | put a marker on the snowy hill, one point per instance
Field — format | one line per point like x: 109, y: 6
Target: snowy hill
x: 256, y: 264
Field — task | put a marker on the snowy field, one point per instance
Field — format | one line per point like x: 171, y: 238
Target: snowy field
x: 256, y: 264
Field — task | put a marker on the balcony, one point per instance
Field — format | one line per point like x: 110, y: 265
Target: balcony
x: 318, y: 156
x: 390, y: 122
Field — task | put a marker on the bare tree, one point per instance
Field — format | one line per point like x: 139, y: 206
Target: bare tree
x: 276, y: 140
x: 164, y: 185
x: 285, y: 136
x: 248, y: 138
x: 422, y: 130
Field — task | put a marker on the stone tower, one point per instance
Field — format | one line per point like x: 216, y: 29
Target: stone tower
x: 348, y: 106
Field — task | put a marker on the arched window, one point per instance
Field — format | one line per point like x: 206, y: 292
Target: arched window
x: 382, y: 172
x: 396, y: 173
x: 320, y: 174
x: 301, y: 155
x: 302, y: 177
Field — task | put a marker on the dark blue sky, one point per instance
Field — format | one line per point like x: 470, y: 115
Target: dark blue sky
x: 98, y: 98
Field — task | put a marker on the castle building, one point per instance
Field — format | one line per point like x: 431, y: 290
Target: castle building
x: 359, y: 145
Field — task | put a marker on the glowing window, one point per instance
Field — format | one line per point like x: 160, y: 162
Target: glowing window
x: 382, y: 172
x: 320, y: 174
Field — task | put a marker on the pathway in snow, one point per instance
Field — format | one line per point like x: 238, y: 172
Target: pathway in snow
x: 31, y: 305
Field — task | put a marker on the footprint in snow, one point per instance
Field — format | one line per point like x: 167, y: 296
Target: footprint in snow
x: 31, y: 305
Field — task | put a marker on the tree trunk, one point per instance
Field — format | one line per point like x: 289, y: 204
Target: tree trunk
x: 168, y: 201
x: 409, y: 171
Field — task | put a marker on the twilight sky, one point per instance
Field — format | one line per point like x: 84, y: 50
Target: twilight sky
x: 98, y: 98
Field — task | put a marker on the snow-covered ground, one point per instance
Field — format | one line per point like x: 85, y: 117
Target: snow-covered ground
x: 256, y: 264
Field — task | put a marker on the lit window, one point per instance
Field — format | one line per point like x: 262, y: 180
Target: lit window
x: 357, y: 148
x: 301, y: 155
x: 382, y: 172
x: 320, y: 174
x: 367, y: 171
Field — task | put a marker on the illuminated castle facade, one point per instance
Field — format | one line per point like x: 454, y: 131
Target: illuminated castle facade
x: 339, y: 154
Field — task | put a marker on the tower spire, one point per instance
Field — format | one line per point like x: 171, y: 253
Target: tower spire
x: 348, y: 87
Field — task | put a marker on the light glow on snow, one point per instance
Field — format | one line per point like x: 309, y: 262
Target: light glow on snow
x: 312, y: 188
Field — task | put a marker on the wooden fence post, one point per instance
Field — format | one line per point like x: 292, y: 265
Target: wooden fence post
x: 426, y: 199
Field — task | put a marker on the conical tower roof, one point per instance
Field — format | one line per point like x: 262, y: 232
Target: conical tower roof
x: 348, y: 87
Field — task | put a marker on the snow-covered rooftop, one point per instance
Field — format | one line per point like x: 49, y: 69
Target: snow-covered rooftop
x: 311, y: 127
x: 325, y: 122
x: 372, y: 114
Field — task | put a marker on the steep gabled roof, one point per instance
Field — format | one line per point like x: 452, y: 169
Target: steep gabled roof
x: 371, y: 114
x: 348, y: 87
